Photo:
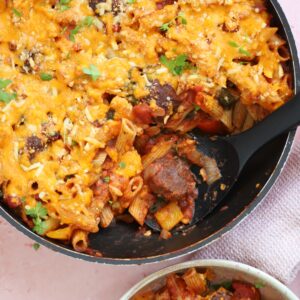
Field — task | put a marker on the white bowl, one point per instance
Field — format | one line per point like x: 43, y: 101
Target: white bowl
x: 224, y: 270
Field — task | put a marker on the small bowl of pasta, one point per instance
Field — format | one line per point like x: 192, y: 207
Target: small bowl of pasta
x: 209, y: 280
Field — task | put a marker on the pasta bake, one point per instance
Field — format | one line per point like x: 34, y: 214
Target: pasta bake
x: 98, y: 97
x: 195, y: 285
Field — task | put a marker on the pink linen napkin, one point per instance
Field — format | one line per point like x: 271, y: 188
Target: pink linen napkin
x: 269, y: 238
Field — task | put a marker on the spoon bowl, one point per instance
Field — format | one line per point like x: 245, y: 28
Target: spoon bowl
x: 231, y: 154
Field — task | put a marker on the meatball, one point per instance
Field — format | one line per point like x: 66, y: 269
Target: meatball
x: 172, y: 178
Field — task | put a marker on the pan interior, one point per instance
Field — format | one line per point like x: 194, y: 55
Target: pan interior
x: 123, y: 243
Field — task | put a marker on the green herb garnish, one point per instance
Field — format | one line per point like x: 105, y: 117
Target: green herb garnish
x: 182, y: 18
x: 226, y: 284
x: 38, y: 214
x: 196, y: 107
x: 17, y: 13
x: 7, y: 97
x: 165, y: 26
x: 177, y: 65
x: 122, y: 165
x: 87, y: 21
x: 240, y: 49
x: 36, y: 246
x: 106, y: 179
x: 73, y: 32
x: 244, y: 52
x: 92, y: 71
x: 45, y: 76
x: 233, y: 44
x: 64, y: 4
x: 259, y: 284
x: 131, y: 1
x: 4, y: 83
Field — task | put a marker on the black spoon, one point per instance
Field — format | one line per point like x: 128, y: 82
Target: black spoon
x: 231, y: 154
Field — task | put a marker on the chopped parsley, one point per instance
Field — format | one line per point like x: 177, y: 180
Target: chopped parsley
x: 46, y: 76
x: 226, y: 284
x: 177, y: 65
x: 131, y: 1
x: 5, y: 96
x: 64, y: 5
x: 86, y: 22
x: 240, y: 49
x: 92, y: 71
x: 16, y: 12
x: 4, y: 83
x: 122, y: 165
x: 233, y: 44
x: 106, y: 179
x: 36, y: 246
x: 259, y: 284
x: 73, y: 32
x: 182, y: 18
x: 244, y: 52
x: 196, y: 107
x: 166, y: 26
x: 38, y: 214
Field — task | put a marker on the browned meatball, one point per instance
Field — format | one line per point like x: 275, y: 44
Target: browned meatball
x: 172, y: 178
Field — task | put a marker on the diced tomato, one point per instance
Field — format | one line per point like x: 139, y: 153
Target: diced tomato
x: 142, y: 113
x: 243, y: 290
x: 211, y: 126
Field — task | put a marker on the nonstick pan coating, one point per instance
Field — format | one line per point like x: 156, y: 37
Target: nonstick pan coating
x: 122, y: 244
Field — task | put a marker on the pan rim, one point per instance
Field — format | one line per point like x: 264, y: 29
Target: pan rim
x: 217, y: 234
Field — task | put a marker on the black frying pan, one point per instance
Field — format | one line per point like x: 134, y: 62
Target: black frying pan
x: 122, y: 244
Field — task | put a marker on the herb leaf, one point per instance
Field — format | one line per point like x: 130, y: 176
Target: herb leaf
x: 36, y: 246
x: 88, y: 21
x: 106, y: 179
x: 7, y: 97
x: 177, y: 65
x: 259, y: 284
x: 165, y: 26
x: 244, y: 52
x: 39, y: 211
x: 64, y: 4
x: 45, y: 76
x: 39, y: 226
x: 233, y: 44
x: 226, y: 284
x: 73, y: 32
x: 182, y: 18
x: 196, y: 107
x: 16, y: 12
x: 4, y: 83
x: 92, y: 71
x: 122, y: 165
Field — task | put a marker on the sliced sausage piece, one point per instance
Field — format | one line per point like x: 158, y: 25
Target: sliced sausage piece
x: 172, y: 178
x: 243, y: 290
x: 166, y: 99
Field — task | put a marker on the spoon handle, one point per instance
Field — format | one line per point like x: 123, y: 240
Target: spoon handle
x: 284, y: 118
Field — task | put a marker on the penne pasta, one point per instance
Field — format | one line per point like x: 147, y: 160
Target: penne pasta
x: 195, y: 281
x: 140, y: 206
x: 158, y: 151
x: 80, y: 240
x: 126, y: 136
x: 106, y: 216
